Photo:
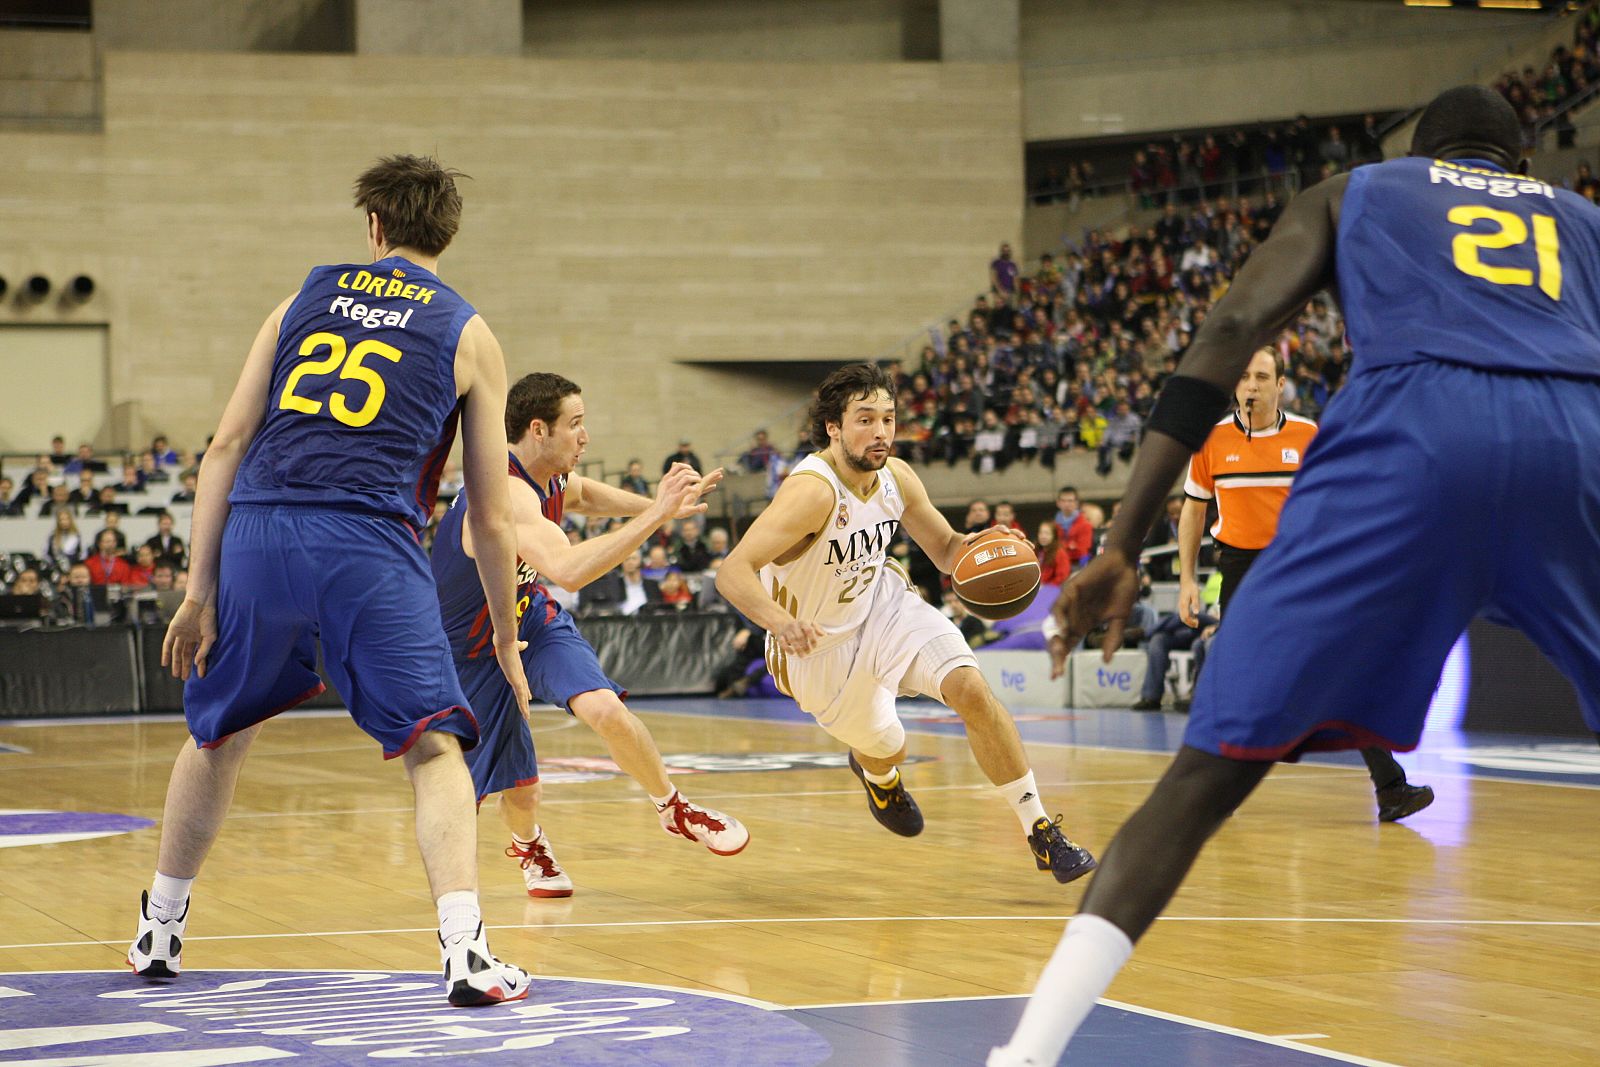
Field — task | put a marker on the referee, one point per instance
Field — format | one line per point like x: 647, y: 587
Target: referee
x: 1246, y: 466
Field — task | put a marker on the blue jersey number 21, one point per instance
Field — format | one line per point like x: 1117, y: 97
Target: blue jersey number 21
x: 338, y: 406
x: 1511, y: 231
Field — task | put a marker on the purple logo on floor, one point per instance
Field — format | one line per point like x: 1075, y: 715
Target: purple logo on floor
x: 349, y: 1016
x: 29, y: 827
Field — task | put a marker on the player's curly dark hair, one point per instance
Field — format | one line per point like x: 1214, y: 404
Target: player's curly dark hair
x: 536, y: 396
x: 416, y: 200
x: 857, y: 381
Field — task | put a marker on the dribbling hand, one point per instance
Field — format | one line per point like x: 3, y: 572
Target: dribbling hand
x: 190, y: 635
x: 509, y: 656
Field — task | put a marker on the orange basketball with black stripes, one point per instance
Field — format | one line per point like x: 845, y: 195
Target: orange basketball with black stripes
x: 996, y: 576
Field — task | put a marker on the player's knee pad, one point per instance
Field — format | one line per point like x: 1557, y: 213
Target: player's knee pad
x: 885, y: 743
x: 934, y: 662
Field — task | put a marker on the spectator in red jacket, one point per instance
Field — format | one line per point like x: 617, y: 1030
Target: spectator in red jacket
x: 1054, y: 566
x: 106, y: 567
x: 1077, y: 536
x: 144, y: 566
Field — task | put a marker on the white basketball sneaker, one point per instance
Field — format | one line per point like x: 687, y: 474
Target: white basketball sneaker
x: 722, y: 834
x: 540, y: 872
x: 157, y: 948
x: 474, y: 978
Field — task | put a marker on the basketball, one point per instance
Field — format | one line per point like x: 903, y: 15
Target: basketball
x: 997, y: 576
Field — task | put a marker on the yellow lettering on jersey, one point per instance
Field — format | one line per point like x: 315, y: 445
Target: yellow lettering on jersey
x: 426, y: 295
x: 366, y: 282
x: 395, y: 288
x: 410, y: 291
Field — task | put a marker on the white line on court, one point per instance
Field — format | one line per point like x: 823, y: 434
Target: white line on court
x: 804, y: 921
x: 1281, y: 1042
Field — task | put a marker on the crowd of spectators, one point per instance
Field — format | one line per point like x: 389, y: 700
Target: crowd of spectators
x: 1070, y: 357
x: 1243, y: 161
x: 1543, y: 94
x: 70, y: 562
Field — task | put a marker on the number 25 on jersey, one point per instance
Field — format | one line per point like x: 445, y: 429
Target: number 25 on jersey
x: 1510, y: 232
x: 352, y: 368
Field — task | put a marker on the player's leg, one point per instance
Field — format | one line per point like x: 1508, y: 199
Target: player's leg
x: 262, y: 663
x: 388, y: 655
x: 997, y: 747
x: 542, y: 874
x: 1360, y: 549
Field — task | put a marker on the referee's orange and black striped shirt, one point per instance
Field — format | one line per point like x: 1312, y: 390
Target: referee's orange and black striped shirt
x: 1248, y: 475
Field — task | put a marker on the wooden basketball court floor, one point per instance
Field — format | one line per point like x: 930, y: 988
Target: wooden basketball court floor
x: 1307, y: 933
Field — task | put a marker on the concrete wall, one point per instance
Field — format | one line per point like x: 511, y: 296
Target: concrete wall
x: 213, y: 26
x: 629, y: 224
x: 732, y: 30
x: 1091, y: 68
x: 48, y: 77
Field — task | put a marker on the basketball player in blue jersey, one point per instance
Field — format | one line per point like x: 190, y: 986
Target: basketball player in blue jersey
x: 322, y: 470
x: 1453, y: 477
x: 544, y: 424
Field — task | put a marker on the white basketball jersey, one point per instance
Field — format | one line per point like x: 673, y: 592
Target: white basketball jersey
x: 833, y: 583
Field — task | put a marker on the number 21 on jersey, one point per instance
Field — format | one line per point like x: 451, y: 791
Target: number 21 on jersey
x: 1511, y: 231
x: 352, y: 368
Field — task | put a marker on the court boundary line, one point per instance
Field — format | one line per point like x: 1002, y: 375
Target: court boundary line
x: 817, y: 920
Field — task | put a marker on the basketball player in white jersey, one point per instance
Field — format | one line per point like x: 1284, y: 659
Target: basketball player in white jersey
x: 847, y: 632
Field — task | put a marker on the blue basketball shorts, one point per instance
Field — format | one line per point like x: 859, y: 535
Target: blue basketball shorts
x: 360, y: 584
x: 560, y: 665
x: 1432, y: 494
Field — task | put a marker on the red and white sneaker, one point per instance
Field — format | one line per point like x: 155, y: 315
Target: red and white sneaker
x: 474, y: 978
x: 540, y: 871
x: 722, y: 834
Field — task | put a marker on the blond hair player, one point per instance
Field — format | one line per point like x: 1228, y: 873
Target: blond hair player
x: 847, y: 632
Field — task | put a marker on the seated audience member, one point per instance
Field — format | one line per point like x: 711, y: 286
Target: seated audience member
x: 1170, y: 635
x: 634, y: 480
x: 151, y: 472
x: 59, y: 456
x: 85, y: 494
x: 113, y: 522
x: 60, y: 497
x: 106, y: 502
x: 186, y: 494
x: 690, y: 550
x: 1054, y: 566
x: 657, y: 563
x: 1006, y: 515
x: 717, y: 542
x: 760, y: 455
x: 684, y: 454
x: 132, y: 481
x: 26, y: 583
x: 978, y: 517
x: 85, y: 460
x: 64, y: 546
x: 162, y: 576
x: 675, y: 591
x: 749, y: 645
x: 1077, y: 536
x: 37, y: 487
x: 8, y: 491
x: 144, y: 565
x: 709, y: 599
x: 974, y: 629
x: 623, y: 591
x: 168, y: 545
x: 69, y: 605
x: 107, y: 566
x: 989, y: 448
x: 162, y: 452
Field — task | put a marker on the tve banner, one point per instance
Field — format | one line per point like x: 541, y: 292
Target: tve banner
x: 1020, y: 677
x: 1097, y: 684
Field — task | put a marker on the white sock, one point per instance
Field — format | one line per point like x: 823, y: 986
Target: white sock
x: 662, y: 802
x: 1023, y: 796
x: 525, y: 843
x: 883, y: 781
x: 1091, y: 953
x: 458, y: 915
x: 169, y: 896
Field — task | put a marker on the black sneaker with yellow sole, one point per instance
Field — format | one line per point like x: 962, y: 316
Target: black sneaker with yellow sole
x: 891, y: 805
x: 1053, y: 852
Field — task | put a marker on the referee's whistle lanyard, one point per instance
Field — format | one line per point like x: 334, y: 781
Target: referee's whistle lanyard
x: 1249, y: 417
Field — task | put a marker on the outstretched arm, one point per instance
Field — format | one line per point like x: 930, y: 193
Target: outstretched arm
x: 588, y: 496
x: 1294, y: 263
